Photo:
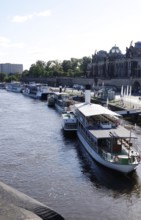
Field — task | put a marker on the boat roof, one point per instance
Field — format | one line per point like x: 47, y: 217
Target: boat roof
x: 119, y: 132
x: 94, y: 109
x: 68, y: 115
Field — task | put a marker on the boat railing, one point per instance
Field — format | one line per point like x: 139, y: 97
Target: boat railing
x: 129, y: 145
x: 91, y: 142
x: 120, y: 159
x: 95, y: 124
x: 70, y: 126
x: 106, y: 155
x: 105, y: 125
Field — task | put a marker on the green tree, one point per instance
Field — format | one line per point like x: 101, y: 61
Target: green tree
x: 73, y: 67
x: 84, y: 63
x: 66, y: 65
x: 2, y: 77
x: 37, y: 69
x: 54, y: 68
x: 25, y: 73
x: 10, y: 78
x: 74, y: 63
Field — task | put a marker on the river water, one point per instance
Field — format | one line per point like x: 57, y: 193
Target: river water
x: 37, y: 159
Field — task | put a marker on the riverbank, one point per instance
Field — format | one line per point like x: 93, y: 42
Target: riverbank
x: 129, y: 107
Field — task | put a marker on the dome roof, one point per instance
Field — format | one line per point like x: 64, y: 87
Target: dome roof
x: 115, y: 50
x: 102, y: 53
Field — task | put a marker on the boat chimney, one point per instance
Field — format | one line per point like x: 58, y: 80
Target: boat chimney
x: 87, y: 94
x: 60, y: 89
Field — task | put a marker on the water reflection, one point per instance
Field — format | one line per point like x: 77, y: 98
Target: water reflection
x: 101, y: 176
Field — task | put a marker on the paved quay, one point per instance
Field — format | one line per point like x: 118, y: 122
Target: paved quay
x: 128, y: 102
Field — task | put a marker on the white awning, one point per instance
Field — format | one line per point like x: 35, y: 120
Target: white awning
x: 94, y: 109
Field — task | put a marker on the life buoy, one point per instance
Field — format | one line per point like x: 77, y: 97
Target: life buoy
x: 131, y: 159
x: 138, y: 159
x: 116, y: 159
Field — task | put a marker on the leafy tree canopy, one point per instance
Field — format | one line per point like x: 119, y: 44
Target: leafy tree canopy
x: 70, y: 68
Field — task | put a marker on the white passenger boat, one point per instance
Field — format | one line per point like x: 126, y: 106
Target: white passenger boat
x: 36, y: 90
x: 50, y: 100
x: 69, y: 122
x: 62, y: 101
x: 101, y: 134
x: 2, y: 86
x: 14, y: 87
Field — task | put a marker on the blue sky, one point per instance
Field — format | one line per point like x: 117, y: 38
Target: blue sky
x: 32, y: 30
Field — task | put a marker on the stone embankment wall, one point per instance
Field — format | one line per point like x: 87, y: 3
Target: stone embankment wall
x: 68, y: 81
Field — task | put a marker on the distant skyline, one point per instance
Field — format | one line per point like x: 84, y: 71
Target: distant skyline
x: 44, y: 30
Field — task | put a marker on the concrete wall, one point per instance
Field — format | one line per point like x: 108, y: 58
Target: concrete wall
x: 68, y: 81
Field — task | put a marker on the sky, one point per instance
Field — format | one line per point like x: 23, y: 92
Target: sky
x: 32, y: 30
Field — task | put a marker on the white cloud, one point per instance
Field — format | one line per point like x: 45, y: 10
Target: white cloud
x: 2, y: 54
x: 16, y: 45
x: 36, y: 50
x: 44, y: 13
x: 4, y: 40
x: 24, y: 18
x: 6, y: 43
x: 21, y: 19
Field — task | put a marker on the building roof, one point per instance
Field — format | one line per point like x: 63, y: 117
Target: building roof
x: 115, y: 50
x: 94, y: 109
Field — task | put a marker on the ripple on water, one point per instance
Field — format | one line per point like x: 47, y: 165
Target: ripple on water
x: 39, y: 160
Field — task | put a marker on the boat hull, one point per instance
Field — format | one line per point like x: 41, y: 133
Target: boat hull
x: 59, y: 108
x: 68, y: 130
x: 36, y: 96
x: 17, y: 90
x: 118, y: 167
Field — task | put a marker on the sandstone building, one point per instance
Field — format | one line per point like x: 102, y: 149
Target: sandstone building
x: 114, y: 64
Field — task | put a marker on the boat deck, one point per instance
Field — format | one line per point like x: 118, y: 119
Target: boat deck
x: 119, y: 131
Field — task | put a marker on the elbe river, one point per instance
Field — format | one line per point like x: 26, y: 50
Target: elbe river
x: 38, y: 160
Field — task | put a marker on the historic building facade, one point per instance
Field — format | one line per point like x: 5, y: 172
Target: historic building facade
x: 114, y: 64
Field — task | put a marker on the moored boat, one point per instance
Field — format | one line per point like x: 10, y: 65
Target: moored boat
x: 101, y: 134
x: 69, y: 122
x: 62, y: 102
x: 2, y: 85
x: 51, y: 100
x: 36, y: 90
x: 14, y: 87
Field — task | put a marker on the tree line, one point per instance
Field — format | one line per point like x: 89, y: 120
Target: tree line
x: 53, y: 68
x: 10, y: 77
x: 67, y: 68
